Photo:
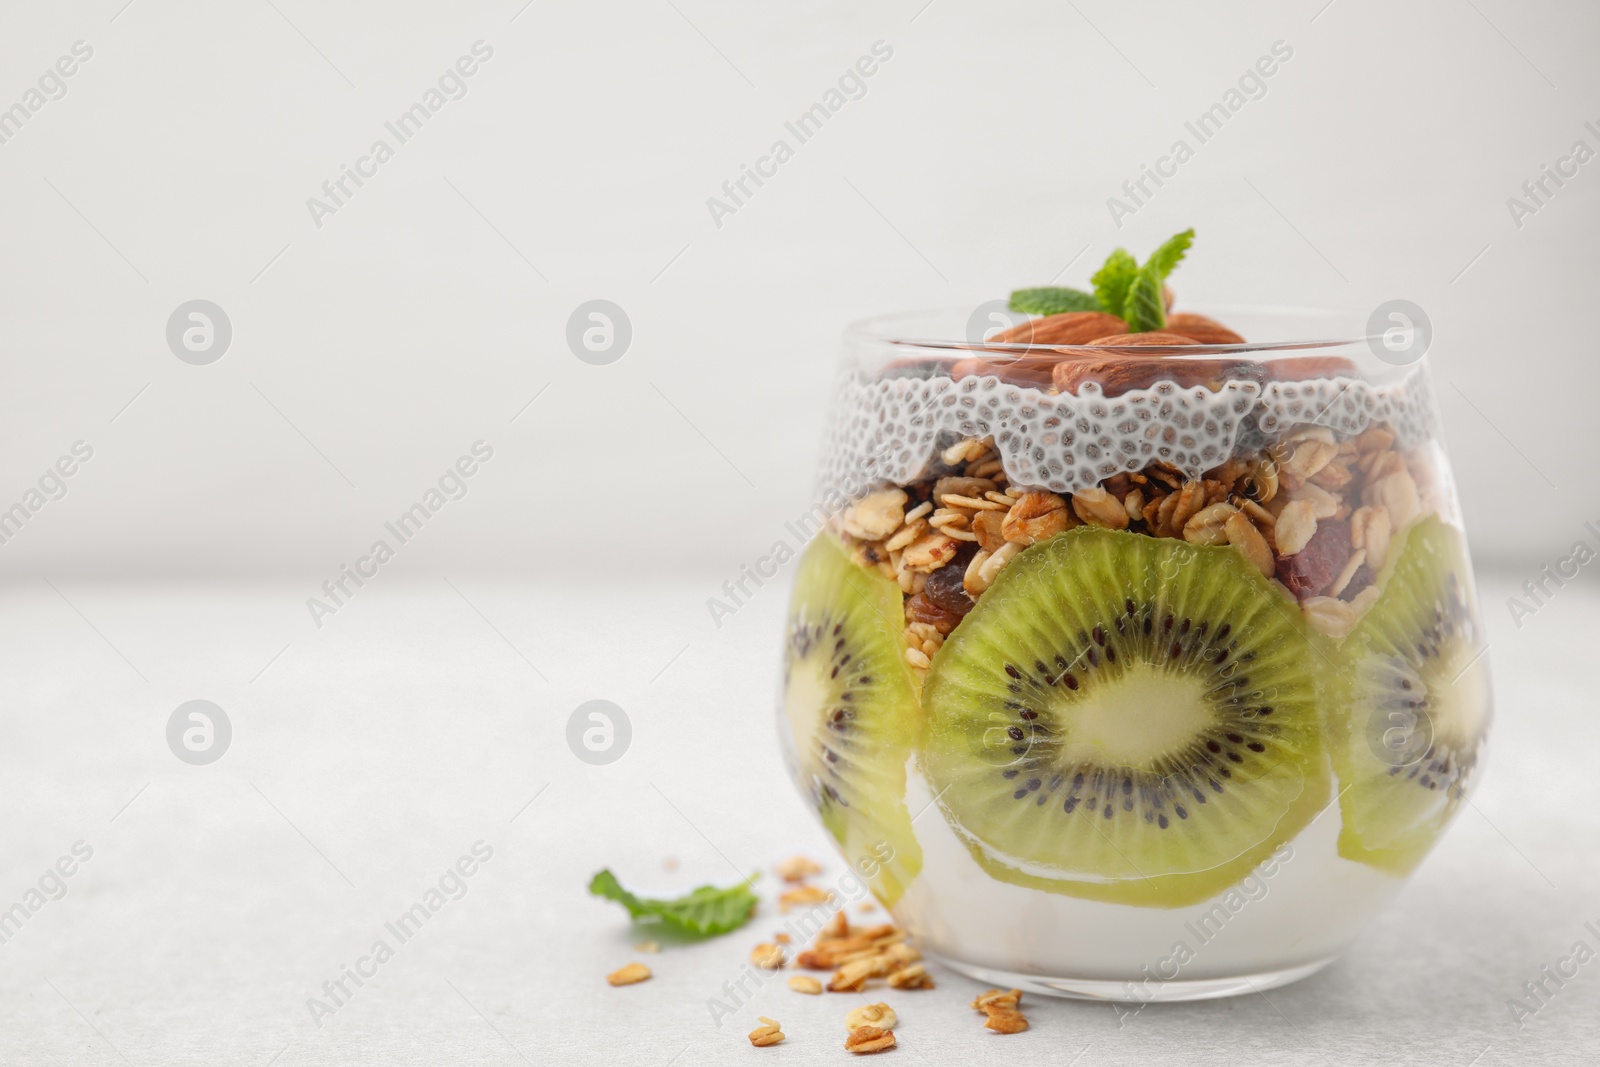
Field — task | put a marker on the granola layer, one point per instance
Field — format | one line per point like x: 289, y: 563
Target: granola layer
x: 1314, y: 510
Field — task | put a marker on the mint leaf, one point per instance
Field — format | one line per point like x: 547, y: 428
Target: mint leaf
x: 1113, y: 279
x: 1146, y: 309
x: 1053, y: 300
x: 706, y: 911
x: 1170, y: 254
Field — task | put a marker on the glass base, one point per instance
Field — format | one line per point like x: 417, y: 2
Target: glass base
x: 1140, y: 990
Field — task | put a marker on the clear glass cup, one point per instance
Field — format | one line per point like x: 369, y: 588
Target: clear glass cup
x: 1138, y: 674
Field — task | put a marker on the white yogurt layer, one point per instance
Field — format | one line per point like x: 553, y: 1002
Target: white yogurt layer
x: 1303, y: 906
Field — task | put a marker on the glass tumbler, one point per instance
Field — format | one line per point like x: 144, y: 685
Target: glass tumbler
x: 1137, y: 674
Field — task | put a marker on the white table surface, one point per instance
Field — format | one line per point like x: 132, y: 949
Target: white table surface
x: 373, y: 752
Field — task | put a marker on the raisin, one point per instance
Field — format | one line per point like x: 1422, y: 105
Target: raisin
x: 921, y: 609
x: 944, y: 588
x: 1311, y: 570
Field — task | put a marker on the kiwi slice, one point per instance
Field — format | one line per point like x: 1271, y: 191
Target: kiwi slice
x: 1408, y: 734
x: 1126, y: 718
x: 852, y: 711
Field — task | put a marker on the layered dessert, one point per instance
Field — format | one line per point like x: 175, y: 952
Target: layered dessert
x: 1140, y: 650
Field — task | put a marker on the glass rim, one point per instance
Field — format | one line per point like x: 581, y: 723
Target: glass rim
x: 890, y: 330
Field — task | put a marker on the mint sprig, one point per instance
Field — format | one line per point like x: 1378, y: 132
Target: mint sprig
x: 704, y: 912
x: 1122, y: 288
x: 1053, y: 300
x: 1146, y: 308
x: 1113, y: 280
x: 1171, y: 253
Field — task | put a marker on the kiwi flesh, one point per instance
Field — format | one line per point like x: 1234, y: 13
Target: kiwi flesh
x: 851, y: 707
x: 1127, y: 719
x: 1409, y: 732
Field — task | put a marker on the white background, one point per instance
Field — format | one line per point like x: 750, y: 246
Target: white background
x: 1378, y: 165
x: 368, y: 354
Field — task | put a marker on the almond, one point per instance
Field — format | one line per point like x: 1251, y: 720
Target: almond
x: 1070, y: 328
x: 1117, y: 374
x: 1141, y: 340
x: 1200, y: 329
x: 1031, y: 371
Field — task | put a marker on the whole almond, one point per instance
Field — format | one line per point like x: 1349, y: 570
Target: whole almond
x: 1070, y: 328
x: 1148, y: 337
x: 1201, y: 330
x: 1031, y: 371
x: 1117, y: 374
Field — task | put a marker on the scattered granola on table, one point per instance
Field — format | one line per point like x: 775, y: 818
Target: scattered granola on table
x: 1001, y: 1012
x: 632, y: 974
x: 798, y: 868
x: 802, y: 897
x: 868, y: 1039
x: 879, y: 1015
x: 768, y: 1033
